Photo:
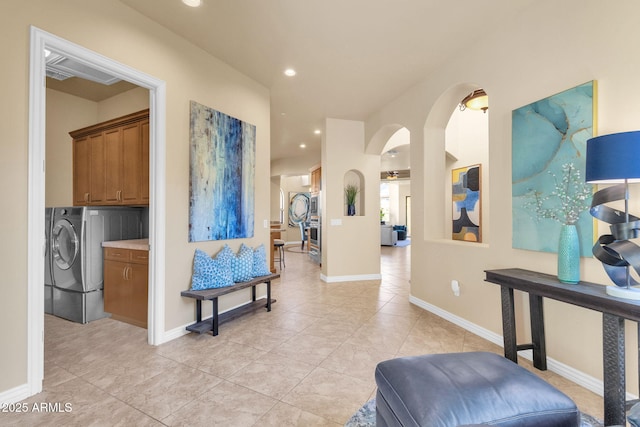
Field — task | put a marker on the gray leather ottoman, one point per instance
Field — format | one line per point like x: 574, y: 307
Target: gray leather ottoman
x: 456, y: 389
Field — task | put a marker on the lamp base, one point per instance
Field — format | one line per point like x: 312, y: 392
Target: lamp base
x: 626, y: 293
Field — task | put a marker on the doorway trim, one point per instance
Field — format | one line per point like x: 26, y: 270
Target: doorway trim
x: 36, y: 193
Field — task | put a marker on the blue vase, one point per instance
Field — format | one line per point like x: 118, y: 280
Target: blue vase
x: 569, y: 255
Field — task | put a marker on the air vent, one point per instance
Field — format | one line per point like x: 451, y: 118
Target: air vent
x: 57, y: 75
x: 61, y: 68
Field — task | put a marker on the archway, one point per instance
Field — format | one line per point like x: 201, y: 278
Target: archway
x: 441, y: 156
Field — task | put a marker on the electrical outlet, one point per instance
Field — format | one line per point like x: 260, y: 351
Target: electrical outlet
x: 455, y: 287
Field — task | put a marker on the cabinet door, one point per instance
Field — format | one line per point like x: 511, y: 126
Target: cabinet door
x: 138, y: 276
x: 132, y: 164
x: 113, y: 165
x: 81, y: 171
x: 116, y: 295
x: 97, y: 194
x: 126, y: 285
x: 144, y: 177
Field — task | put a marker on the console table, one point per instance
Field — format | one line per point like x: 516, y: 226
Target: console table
x: 584, y: 294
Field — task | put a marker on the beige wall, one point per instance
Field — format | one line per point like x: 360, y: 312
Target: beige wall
x: 125, y: 103
x: 342, y: 152
x: 551, y: 47
x: 116, y: 31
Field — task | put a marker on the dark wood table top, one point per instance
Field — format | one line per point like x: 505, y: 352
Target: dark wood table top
x: 584, y: 294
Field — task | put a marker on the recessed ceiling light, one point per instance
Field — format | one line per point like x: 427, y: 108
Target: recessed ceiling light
x: 317, y: 131
x: 303, y: 145
x: 290, y: 72
x: 192, y: 3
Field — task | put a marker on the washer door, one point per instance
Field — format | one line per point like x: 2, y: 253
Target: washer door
x: 65, y: 244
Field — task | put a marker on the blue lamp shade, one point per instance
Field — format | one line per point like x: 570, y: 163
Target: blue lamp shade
x: 613, y: 158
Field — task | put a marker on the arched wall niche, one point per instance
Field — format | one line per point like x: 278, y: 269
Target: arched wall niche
x: 438, y: 163
x: 355, y: 177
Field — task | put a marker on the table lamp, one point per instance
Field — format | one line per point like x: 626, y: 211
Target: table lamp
x: 615, y: 159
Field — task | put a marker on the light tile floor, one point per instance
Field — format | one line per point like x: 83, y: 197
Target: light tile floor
x: 309, y: 362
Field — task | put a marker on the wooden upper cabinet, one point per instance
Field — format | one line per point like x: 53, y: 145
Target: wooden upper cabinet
x: 144, y: 184
x: 316, y: 179
x: 113, y: 158
x: 97, y: 193
x: 132, y: 164
x: 81, y: 171
x: 111, y: 162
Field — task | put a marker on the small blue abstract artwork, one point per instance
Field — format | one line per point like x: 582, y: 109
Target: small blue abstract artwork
x: 222, y: 169
x: 465, y: 192
x: 547, y: 135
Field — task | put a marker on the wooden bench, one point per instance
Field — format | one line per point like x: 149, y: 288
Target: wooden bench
x: 212, y: 295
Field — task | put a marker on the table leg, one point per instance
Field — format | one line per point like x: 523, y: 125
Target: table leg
x: 509, y: 324
x: 614, y: 370
x: 537, y: 332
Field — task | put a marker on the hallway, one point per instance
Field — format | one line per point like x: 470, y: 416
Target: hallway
x: 309, y: 362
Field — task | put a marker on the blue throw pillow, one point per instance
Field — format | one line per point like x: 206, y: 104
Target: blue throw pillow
x: 260, y: 267
x: 242, y: 265
x: 210, y: 272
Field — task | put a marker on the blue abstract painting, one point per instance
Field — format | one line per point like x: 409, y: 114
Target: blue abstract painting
x: 222, y: 169
x: 546, y: 135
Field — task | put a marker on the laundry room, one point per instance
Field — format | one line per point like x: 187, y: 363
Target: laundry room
x: 97, y: 196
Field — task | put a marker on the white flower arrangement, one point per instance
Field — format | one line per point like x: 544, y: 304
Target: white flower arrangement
x: 570, y: 197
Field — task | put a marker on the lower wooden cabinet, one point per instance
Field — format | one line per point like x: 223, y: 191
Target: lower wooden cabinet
x: 126, y: 278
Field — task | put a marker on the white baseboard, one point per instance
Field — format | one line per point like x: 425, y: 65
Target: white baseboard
x: 353, y: 278
x: 15, y: 394
x: 587, y: 381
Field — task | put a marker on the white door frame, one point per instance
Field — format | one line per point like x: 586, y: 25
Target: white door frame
x: 36, y: 195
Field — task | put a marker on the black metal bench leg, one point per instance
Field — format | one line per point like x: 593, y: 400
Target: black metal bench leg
x: 269, y: 295
x: 198, y: 311
x: 215, y: 316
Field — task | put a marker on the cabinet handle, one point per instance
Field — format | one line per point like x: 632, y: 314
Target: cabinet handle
x: 124, y: 273
x: 128, y: 273
x: 86, y: 197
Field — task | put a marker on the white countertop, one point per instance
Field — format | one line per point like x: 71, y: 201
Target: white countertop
x: 137, y: 244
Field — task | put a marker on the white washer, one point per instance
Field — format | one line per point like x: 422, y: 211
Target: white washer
x: 77, y: 234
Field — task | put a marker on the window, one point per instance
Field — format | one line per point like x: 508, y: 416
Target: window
x: 384, y: 202
x: 282, y: 206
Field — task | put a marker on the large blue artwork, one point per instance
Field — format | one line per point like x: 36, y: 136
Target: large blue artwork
x: 549, y: 142
x: 222, y: 169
